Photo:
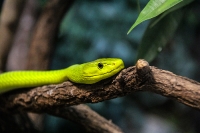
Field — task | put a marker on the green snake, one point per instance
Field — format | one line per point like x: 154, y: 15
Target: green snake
x: 86, y: 73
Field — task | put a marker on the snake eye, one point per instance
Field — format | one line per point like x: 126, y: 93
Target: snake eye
x: 100, y: 65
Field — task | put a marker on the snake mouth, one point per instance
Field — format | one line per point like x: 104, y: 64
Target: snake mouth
x: 120, y: 67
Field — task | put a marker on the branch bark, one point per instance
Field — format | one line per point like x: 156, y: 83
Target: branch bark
x: 141, y: 77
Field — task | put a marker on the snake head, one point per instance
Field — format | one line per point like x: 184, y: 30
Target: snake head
x: 100, y: 69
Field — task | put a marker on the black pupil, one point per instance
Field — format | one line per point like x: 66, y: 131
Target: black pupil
x: 100, y: 65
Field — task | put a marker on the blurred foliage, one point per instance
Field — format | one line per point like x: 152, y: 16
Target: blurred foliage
x: 42, y: 2
x: 93, y: 29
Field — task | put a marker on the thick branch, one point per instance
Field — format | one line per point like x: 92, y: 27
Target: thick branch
x: 137, y: 78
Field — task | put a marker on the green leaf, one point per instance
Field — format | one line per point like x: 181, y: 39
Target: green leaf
x: 178, y: 6
x: 153, y: 9
x: 156, y: 37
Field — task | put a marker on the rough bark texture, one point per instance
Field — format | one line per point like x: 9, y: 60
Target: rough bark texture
x: 141, y: 77
x: 182, y: 89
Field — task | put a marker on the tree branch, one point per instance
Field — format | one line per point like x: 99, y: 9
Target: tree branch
x: 141, y: 77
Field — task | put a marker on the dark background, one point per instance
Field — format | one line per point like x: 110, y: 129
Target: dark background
x: 98, y: 28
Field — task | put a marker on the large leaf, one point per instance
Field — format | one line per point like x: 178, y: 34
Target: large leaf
x: 156, y: 37
x: 153, y: 9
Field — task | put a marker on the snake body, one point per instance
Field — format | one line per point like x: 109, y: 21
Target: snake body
x: 86, y: 73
